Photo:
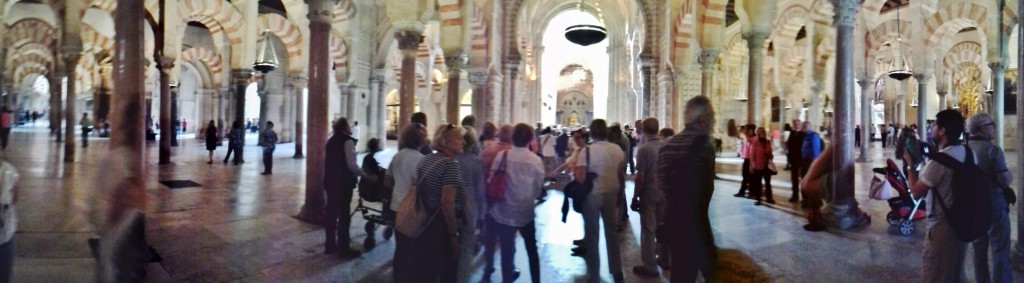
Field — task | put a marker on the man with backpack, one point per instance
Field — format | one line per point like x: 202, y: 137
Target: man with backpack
x: 809, y: 150
x: 951, y: 201
x: 992, y: 163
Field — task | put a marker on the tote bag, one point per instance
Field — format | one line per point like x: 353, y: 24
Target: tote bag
x: 411, y: 219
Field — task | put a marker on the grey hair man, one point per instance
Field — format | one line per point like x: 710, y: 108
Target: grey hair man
x: 686, y: 173
x: 991, y: 160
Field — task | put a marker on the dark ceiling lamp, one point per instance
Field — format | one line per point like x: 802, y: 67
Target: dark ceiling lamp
x: 266, y: 59
x: 585, y: 35
x: 899, y: 70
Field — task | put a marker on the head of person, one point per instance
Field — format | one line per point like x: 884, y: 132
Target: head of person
x: 761, y: 132
x: 211, y: 124
x: 649, y: 126
x: 615, y: 132
x: 540, y: 125
x: 599, y: 129
x: 806, y: 126
x: 638, y: 124
x: 419, y: 118
x: 505, y: 133
x: 522, y: 134
x: 448, y: 140
x: 373, y: 145
x: 412, y: 136
x: 699, y: 115
x: 948, y: 126
x: 982, y: 125
x: 469, y: 138
x: 666, y: 133
x: 84, y: 115
x: 579, y: 137
x: 750, y: 130
x: 469, y: 121
x: 270, y: 125
x: 489, y: 131
x: 341, y: 127
x: 355, y: 123
x: 237, y: 125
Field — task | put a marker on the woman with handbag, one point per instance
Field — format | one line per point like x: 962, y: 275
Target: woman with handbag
x: 762, y: 167
x: 514, y: 210
x: 429, y: 253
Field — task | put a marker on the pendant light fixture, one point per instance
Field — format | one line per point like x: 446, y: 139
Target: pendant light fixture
x: 913, y: 102
x: 740, y: 96
x: 266, y: 58
x: 898, y: 69
x: 583, y: 34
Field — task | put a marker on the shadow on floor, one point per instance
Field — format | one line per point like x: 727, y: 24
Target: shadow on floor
x: 735, y: 266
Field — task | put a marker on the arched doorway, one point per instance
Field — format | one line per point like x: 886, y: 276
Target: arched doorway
x: 573, y: 74
x: 575, y: 100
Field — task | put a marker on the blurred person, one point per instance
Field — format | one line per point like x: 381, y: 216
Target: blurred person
x: 761, y: 156
x: 607, y: 160
x: 651, y: 201
x: 474, y: 185
x: 340, y: 177
x: 793, y: 156
x: 212, y: 136
x: 269, y: 144
x: 992, y: 161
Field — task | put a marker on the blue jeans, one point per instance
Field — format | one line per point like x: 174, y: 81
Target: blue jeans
x: 506, y: 237
x: 998, y: 239
x: 6, y: 260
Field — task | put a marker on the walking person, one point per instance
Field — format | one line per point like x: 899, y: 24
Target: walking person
x: 885, y: 135
x: 5, y: 126
x: 992, y: 161
x: 652, y: 202
x: 212, y: 137
x: 236, y: 138
x: 269, y: 144
x: 524, y: 173
x: 761, y: 158
x: 340, y: 177
x: 474, y: 184
x: 856, y: 136
x: 608, y: 161
x: 86, y: 126
x: 433, y: 256
x: 943, y: 254
x: 748, y: 177
x: 686, y: 170
x: 547, y: 150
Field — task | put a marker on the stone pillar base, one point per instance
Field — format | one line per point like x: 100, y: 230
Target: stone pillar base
x: 845, y: 216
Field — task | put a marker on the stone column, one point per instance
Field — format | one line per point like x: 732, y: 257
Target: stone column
x: 56, y: 105
x: 70, y: 54
x: 240, y: 79
x: 320, y: 18
x: 300, y: 84
x: 755, y: 44
x: 165, y: 64
x: 706, y: 58
x: 1018, y: 248
x: 382, y: 106
x: 408, y: 41
x: 509, y: 97
x: 174, y: 116
x: 480, y: 97
x: 843, y: 207
x: 123, y: 189
x: 865, y: 118
x: 646, y: 72
x: 455, y: 62
x: 261, y: 91
x: 922, y: 103
x: 999, y: 99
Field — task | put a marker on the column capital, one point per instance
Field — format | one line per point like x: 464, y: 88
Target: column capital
x: 942, y: 92
x: 816, y: 89
x: 320, y: 11
x: 478, y: 79
x: 755, y: 39
x: 241, y: 76
x: 997, y: 66
x: 923, y: 77
x: 71, y: 53
x: 845, y: 12
x: 706, y: 58
x: 409, y: 39
x: 299, y: 81
x: 863, y: 81
x: 456, y: 61
x: 165, y: 63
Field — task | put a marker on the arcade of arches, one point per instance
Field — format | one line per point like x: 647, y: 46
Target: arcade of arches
x: 763, y: 62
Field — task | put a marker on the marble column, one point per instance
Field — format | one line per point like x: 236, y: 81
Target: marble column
x: 647, y: 66
x: 842, y: 207
x: 264, y: 95
x: 999, y: 100
x: 755, y: 44
x: 300, y: 85
x: 706, y: 58
x: 174, y: 116
x: 1018, y: 248
x: 70, y: 54
x: 320, y: 18
x: 865, y: 118
x: 165, y: 64
x: 408, y: 42
x: 943, y: 104
x: 240, y: 79
x: 480, y: 101
x: 509, y: 97
x: 455, y: 62
x: 56, y: 105
x: 124, y: 188
x: 922, y: 102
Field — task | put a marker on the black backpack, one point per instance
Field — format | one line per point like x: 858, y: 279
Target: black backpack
x: 971, y: 213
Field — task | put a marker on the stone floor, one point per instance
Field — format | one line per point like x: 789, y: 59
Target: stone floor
x: 238, y: 227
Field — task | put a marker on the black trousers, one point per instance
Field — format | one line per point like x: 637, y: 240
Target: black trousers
x: 427, y: 258
x: 268, y: 161
x: 339, y: 202
x: 745, y: 184
x: 796, y: 172
x: 885, y: 140
x: 694, y: 250
x: 759, y: 190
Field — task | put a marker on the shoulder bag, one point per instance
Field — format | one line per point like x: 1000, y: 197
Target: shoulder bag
x: 411, y: 218
x: 497, y: 182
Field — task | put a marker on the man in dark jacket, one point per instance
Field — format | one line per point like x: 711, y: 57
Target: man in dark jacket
x: 793, y: 145
x: 340, y: 176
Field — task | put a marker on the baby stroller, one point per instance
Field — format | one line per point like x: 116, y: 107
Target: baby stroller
x: 904, y: 208
x: 372, y: 190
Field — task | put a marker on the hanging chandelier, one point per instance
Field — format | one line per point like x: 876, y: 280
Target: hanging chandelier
x: 266, y: 58
x: 585, y: 35
x: 898, y: 69
x: 740, y: 96
x: 913, y: 102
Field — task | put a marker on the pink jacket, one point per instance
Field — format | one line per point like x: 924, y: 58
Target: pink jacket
x: 760, y: 154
